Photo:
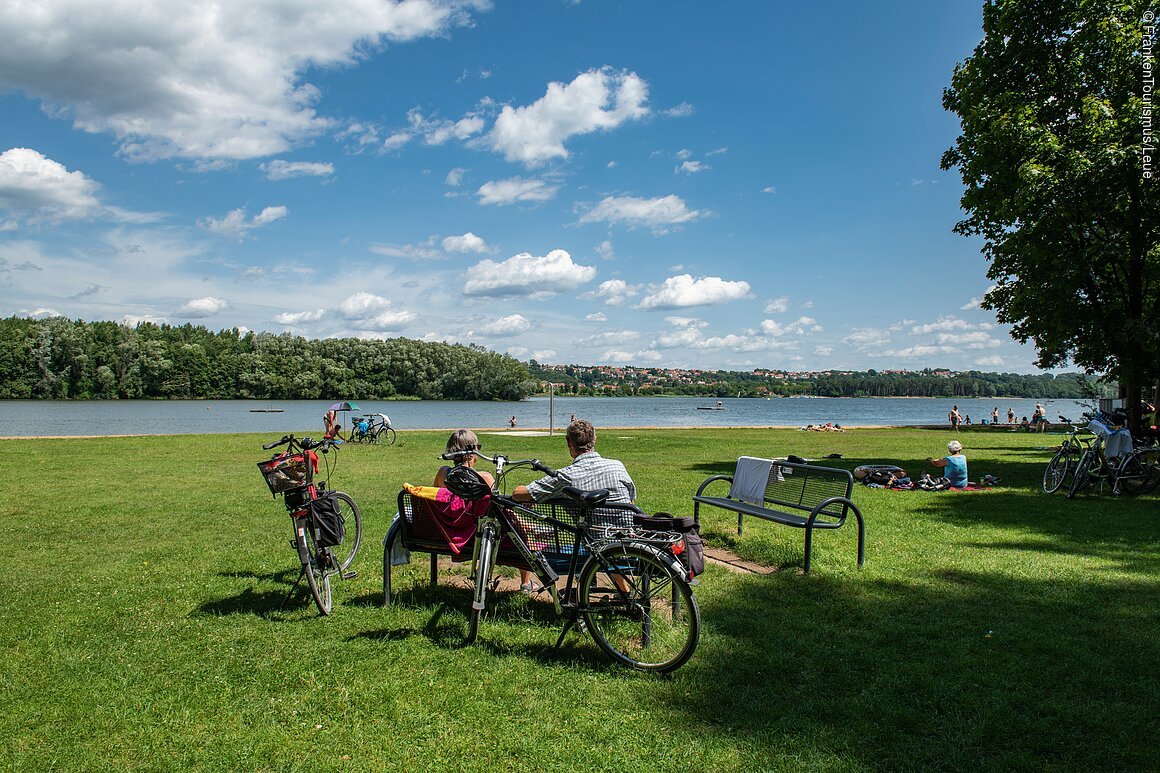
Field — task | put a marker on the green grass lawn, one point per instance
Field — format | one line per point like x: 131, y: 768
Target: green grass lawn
x: 1003, y: 629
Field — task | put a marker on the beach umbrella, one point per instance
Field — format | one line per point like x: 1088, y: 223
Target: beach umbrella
x: 345, y: 405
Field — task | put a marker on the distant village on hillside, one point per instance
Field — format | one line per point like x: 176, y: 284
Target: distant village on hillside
x: 761, y: 382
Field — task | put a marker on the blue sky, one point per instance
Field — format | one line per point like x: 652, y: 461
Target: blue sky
x: 682, y: 184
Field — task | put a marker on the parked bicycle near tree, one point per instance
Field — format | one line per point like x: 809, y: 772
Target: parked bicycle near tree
x: 327, y: 524
x: 1112, y: 457
x: 1065, y: 459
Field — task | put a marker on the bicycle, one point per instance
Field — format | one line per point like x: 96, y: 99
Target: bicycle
x: 1139, y: 473
x: 624, y: 584
x: 1065, y: 459
x: 327, y: 524
x: 1136, y: 469
x: 373, y: 428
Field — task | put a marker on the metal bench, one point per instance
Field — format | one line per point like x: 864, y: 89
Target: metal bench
x: 804, y: 496
x: 415, y: 529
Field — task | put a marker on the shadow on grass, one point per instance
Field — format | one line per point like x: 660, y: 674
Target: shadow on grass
x: 447, y: 627
x: 942, y: 668
x: 248, y: 602
x: 285, y: 597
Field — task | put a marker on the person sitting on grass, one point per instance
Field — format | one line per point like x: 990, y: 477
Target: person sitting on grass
x: 954, y: 465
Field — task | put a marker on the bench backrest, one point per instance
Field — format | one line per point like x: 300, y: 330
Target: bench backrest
x: 805, y: 486
x: 533, y: 519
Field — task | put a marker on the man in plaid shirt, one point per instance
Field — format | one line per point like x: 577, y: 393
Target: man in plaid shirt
x: 588, y: 471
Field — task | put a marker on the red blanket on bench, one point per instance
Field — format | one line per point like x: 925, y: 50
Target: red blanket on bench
x: 454, y: 516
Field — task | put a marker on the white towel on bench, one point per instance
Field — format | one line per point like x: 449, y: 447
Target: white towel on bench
x: 750, y: 478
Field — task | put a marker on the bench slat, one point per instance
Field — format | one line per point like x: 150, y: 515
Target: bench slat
x: 789, y: 519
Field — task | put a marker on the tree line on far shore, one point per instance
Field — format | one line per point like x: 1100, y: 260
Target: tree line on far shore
x: 928, y: 383
x: 58, y: 358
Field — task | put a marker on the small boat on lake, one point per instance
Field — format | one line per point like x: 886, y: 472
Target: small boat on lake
x: 718, y: 407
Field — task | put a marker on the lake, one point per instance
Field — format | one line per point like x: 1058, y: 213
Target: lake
x: 40, y: 418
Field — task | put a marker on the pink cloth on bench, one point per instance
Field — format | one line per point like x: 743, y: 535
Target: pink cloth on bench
x: 454, y: 515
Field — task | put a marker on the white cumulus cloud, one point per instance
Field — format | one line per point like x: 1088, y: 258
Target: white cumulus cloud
x: 510, y: 325
x: 298, y: 317
x: 362, y: 304
x: 692, y: 167
x: 41, y: 190
x: 201, y: 80
x: 777, y: 305
x: 613, y: 292
x: 866, y: 337
x: 659, y: 214
x: 202, y: 307
x: 502, y: 192
x: 683, y: 290
x: 386, y: 320
x: 798, y: 327
x: 527, y: 274
x: 944, y: 324
x: 286, y: 170
x: 235, y: 225
x: 468, y: 242
x: 597, y: 100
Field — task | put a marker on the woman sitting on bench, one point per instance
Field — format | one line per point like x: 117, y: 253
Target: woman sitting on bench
x: 462, y: 440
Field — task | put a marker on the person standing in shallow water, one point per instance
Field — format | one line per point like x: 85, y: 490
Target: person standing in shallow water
x: 954, y: 417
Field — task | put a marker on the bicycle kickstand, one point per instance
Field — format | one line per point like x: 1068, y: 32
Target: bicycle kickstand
x: 568, y: 626
x: 293, y: 588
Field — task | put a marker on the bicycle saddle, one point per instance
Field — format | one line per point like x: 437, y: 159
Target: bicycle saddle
x: 587, y: 498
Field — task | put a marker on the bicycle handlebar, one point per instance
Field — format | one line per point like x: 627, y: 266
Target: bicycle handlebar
x: 499, y: 460
x: 285, y: 439
x: 306, y: 444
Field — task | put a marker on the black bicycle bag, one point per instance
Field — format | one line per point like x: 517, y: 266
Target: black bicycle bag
x: 326, y: 520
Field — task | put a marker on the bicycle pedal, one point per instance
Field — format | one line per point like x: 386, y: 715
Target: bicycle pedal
x: 349, y: 575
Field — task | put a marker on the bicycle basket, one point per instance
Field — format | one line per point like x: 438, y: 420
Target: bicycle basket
x: 284, y: 472
x: 296, y: 497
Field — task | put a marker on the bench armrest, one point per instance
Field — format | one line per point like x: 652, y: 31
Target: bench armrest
x: 709, y: 480
x: 818, y: 508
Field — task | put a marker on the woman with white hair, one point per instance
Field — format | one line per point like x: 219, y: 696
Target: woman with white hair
x: 954, y: 464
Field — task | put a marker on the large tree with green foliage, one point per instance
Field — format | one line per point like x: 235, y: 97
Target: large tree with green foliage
x: 1060, y: 183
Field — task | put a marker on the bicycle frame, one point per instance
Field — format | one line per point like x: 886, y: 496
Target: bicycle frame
x: 584, y: 542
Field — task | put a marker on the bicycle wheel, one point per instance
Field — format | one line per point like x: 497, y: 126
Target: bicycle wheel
x: 1140, y: 472
x: 352, y: 524
x: 484, y: 558
x: 386, y: 436
x: 1081, y: 474
x: 314, y: 566
x: 1056, y: 472
x: 652, y: 623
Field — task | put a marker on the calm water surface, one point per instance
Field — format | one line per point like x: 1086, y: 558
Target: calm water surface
x: 31, y: 418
